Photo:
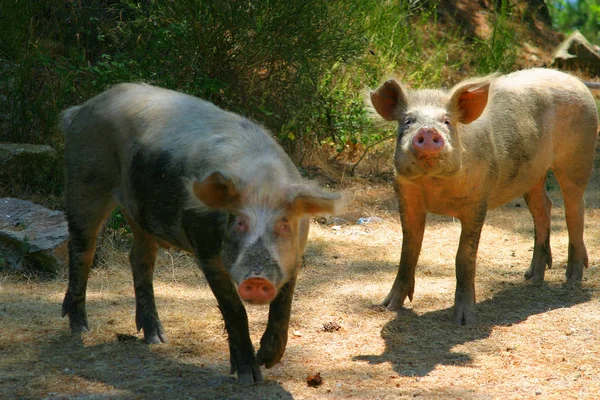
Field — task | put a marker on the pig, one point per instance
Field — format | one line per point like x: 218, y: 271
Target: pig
x: 477, y: 146
x: 189, y: 175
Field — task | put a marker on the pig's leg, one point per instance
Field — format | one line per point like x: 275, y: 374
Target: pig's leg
x: 85, y: 216
x: 412, y: 217
x: 464, y: 298
x: 540, y: 205
x: 274, y: 340
x: 572, y: 185
x: 242, y: 357
x: 142, y: 258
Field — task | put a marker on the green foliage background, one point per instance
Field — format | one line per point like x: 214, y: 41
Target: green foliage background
x: 577, y: 14
x: 299, y: 67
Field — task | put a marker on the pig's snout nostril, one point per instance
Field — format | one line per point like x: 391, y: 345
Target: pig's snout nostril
x: 257, y: 290
x: 428, y: 142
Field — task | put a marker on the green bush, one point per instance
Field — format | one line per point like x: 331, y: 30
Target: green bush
x: 299, y: 67
x: 260, y: 58
x: 499, y: 52
x: 579, y: 14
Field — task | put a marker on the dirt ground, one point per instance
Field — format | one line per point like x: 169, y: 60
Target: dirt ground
x: 529, y: 340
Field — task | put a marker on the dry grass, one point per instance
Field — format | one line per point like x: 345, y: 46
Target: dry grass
x: 529, y: 339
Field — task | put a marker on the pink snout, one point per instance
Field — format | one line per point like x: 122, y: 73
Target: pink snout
x: 257, y: 291
x: 427, y: 143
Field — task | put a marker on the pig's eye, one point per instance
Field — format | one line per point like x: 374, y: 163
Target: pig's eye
x: 408, y: 121
x: 447, y: 121
x: 240, y: 224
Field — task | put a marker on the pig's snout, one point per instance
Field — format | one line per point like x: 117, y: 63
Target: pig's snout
x: 427, y: 143
x: 257, y: 291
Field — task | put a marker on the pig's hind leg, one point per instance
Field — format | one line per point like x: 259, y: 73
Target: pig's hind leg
x: 573, y: 181
x: 142, y: 258
x: 539, y: 205
x: 85, y: 215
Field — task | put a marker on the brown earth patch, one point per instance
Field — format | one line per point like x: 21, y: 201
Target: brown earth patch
x: 529, y: 340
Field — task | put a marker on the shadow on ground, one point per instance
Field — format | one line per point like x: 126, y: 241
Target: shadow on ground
x: 137, y: 372
x: 59, y: 365
x: 416, y: 344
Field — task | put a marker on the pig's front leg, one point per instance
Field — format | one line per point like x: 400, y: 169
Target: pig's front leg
x: 274, y: 340
x: 412, y: 217
x: 464, y: 299
x: 242, y: 358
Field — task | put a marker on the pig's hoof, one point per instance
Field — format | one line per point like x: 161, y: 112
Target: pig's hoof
x: 534, y: 278
x: 250, y: 375
x: 79, y: 328
x: 269, y: 358
x: 535, y: 274
x: 463, y: 316
x: 393, y: 303
x: 156, y: 338
x: 78, y: 324
x: 272, y: 347
x: 574, y: 274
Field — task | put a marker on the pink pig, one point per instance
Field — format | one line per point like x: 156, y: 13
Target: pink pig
x: 477, y: 146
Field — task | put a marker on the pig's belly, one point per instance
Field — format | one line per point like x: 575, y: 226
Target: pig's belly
x: 454, y: 198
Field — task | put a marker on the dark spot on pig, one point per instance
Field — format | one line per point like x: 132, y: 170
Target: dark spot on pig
x: 158, y: 190
x: 78, y: 233
x: 91, y: 178
x: 205, y: 232
x: 257, y: 256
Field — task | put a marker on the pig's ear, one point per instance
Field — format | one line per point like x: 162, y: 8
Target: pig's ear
x: 315, y: 201
x: 217, y: 191
x: 389, y: 100
x: 468, y: 100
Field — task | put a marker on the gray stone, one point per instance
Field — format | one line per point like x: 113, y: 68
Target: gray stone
x: 32, y: 236
x: 577, y: 53
x: 28, y: 165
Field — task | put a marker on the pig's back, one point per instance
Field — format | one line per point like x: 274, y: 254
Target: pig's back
x: 194, y: 132
x: 536, y: 118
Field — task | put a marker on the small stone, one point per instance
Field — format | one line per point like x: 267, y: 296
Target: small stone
x: 331, y: 327
x: 314, y: 380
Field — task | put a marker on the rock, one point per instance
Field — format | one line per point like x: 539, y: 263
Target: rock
x: 28, y: 165
x: 32, y: 236
x: 576, y: 53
